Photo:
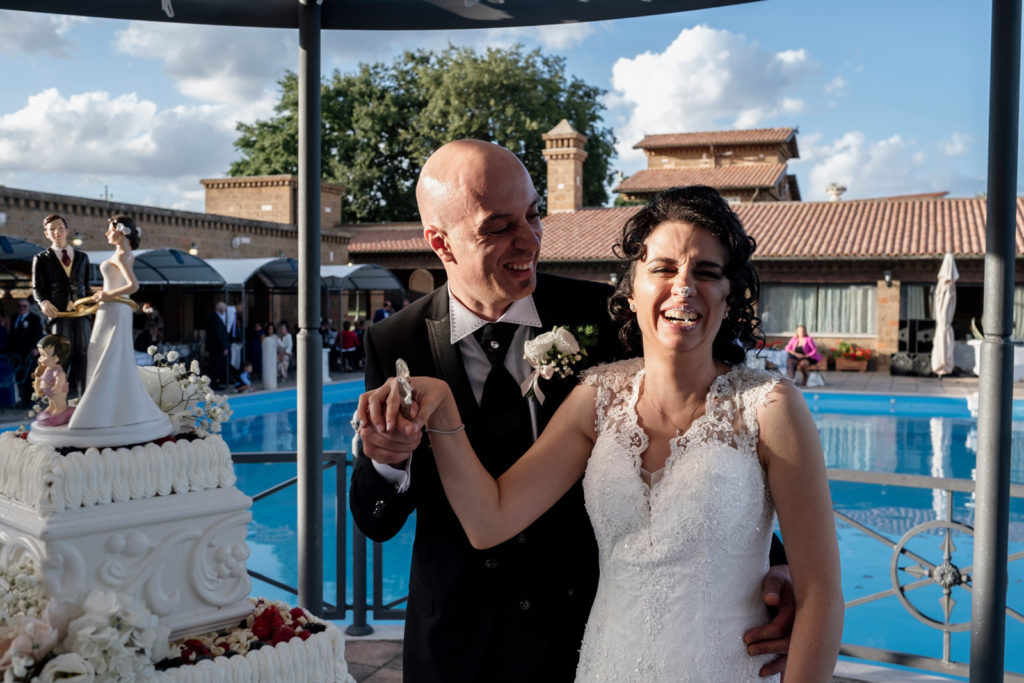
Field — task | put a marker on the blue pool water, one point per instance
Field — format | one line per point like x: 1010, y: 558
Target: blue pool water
x: 904, y: 435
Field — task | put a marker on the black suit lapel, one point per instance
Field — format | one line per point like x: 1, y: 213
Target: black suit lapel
x: 448, y: 359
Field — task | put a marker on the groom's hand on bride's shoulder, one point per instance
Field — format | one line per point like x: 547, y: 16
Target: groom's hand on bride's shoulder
x: 773, y: 637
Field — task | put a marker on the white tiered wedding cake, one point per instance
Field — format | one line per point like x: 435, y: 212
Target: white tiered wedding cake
x: 137, y: 545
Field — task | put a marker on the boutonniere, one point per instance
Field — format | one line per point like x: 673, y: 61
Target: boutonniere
x: 555, y: 353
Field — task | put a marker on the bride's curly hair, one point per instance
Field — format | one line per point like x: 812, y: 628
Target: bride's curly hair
x: 702, y: 207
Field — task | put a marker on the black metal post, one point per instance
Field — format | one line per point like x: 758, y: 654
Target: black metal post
x: 310, y: 359
x: 358, y: 627
x: 992, y: 504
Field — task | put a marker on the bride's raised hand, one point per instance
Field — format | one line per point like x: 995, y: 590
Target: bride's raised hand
x: 382, y: 408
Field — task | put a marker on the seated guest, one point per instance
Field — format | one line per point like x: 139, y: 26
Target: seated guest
x: 801, y: 354
x: 244, y: 383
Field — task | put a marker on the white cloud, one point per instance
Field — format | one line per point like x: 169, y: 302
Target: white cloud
x: 344, y: 50
x: 219, y: 64
x: 551, y: 37
x: 956, y: 144
x: 31, y: 32
x: 706, y: 79
x: 876, y: 168
x: 126, y: 136
x: 836, y: 87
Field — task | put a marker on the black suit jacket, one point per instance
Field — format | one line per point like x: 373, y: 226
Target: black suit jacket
x: 51, y: 283
x: 21, y: 339
x: 515, y: 612
x: 217, y: 337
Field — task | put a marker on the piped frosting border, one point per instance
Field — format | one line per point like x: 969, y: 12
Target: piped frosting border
x: 37, y: 476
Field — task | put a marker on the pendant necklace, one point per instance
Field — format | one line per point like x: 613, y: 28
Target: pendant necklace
x: 693, y: 415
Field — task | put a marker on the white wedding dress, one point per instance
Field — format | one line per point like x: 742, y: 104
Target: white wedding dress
x: 682, y: 561
x: 115, y: 409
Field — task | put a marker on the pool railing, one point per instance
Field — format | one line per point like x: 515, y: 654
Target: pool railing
x: 919, y: 571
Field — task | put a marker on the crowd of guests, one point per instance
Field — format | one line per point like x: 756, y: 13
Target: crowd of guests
x: 234, y: 356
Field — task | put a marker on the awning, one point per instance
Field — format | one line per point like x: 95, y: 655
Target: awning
x: 15, y: 249
x: 15, y: 261
x: 283, y: 273
x: 368, y: 14
x: 276, y: 273
x: 366, y: 276
x: 162, y: 267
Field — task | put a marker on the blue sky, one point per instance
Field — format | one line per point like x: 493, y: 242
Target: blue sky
x: 890, y: 96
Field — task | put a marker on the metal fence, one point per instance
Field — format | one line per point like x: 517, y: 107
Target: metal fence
x: 910, y: 571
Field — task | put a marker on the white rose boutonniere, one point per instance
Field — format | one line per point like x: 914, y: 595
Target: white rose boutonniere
x: 555, y: 353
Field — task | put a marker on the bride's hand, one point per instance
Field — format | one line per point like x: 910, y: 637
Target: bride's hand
x: 102, y: 296
x: 381, y: 408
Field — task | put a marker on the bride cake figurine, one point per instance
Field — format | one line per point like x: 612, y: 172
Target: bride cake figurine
x: 51, y: 381
x: 116, y: 409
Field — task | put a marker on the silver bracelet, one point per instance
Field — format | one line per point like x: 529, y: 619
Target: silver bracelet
x: 444, y: 431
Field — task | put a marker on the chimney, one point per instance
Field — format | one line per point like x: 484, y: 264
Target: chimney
x: 563, y: 149
x: 834, y: 191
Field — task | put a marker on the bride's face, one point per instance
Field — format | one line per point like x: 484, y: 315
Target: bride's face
x: 680, y: 287
x: 114, y: 236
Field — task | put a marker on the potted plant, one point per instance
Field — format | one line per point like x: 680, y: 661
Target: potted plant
x: 851, y: 357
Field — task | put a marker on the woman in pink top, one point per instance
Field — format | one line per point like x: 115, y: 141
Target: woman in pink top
x: 801, y: 354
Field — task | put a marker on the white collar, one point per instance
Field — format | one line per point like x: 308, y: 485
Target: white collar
x: 57, y: 251
x: 464, y: 322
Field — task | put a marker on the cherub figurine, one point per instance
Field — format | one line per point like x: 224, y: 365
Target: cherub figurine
x: 50, y: 380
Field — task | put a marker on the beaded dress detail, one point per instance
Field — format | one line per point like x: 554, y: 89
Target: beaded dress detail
x: 682, y: 561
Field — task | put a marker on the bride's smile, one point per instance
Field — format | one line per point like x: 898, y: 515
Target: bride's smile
x: 680, y: 287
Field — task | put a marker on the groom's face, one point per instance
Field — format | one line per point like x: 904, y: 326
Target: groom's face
x: 57, y: 233
x: 491, y: 240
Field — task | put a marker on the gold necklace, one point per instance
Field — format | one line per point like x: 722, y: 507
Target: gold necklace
x: 693, y: 415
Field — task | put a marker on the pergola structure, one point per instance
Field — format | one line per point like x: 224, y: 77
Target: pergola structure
x: 311, y: 16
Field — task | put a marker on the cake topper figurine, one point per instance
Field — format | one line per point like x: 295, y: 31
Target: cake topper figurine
x: 116, y: 409
x: 50, y: 382
x: 59, y: 276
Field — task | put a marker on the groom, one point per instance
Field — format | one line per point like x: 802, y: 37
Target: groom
x: 515, y: 612
x: 59, y: 277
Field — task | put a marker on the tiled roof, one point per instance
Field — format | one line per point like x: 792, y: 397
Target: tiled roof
x: 716, y: 137
x: 783, y: 230
x: 718, y: 177
x: 790, y: 230
x: 392, y: 238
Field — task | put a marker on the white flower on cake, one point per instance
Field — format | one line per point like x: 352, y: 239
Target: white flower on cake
x: 117, y: 636
x: 555, y: 352
x: 70, y: 667
x: 184, y: 395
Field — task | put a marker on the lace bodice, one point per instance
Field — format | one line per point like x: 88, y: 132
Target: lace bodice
x: 682, y: 561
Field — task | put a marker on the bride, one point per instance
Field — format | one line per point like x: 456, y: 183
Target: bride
x: 686, y: 456
x: 116, y: 409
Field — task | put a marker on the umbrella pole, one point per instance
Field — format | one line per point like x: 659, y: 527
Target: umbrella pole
x: 992, y: 493
x: 310, y: 358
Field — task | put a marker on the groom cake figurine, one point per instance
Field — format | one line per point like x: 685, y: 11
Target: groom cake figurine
x: 515, y: 612
x: 59, y: 277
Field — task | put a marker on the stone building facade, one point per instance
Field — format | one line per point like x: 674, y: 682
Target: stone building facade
x: 744, y: 165
x: 269, y: 198
x: 212, y: 236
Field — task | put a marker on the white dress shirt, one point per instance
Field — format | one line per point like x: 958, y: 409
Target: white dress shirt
x: 463, y: 323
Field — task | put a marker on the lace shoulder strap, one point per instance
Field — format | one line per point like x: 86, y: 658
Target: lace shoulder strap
x: 753, y: 388
x: 615, y: 384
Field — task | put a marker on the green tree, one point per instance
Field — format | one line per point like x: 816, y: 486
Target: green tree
x: 381, y: 123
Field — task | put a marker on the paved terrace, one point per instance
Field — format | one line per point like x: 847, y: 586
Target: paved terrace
x: 378, y: 658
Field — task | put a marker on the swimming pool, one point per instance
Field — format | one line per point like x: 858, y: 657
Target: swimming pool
x: 899, y: 435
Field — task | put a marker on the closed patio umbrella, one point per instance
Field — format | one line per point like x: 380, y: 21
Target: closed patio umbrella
x: 943, y: 306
